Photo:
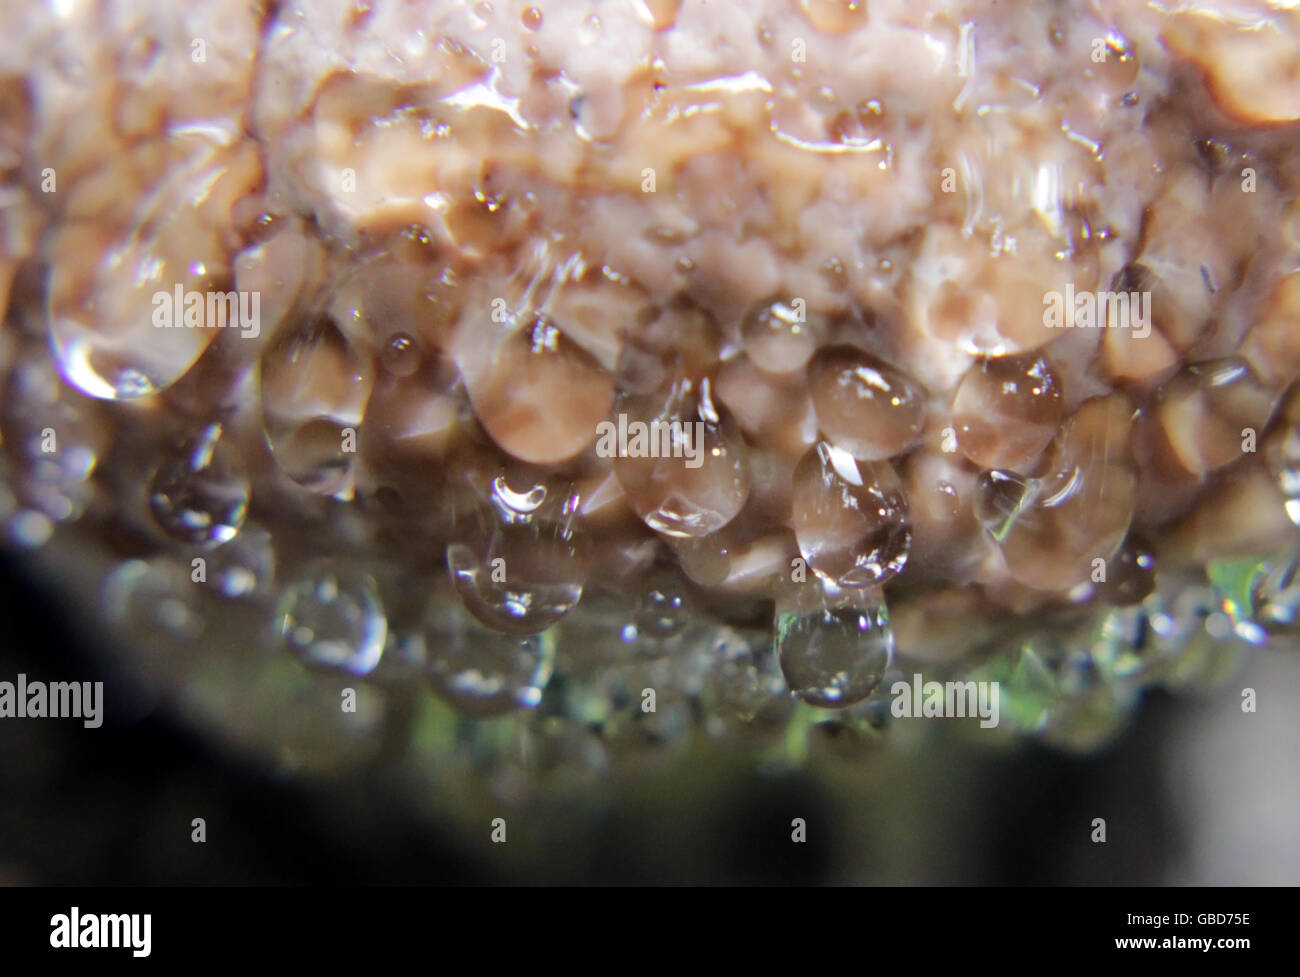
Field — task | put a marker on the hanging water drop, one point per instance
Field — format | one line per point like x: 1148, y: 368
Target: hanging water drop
x: 850, y: 518
x: 834, y: 655
x: 330, y: 615
x: 315, y: 388
x: 681, y: 461
x: 132, y: 308
x: 781, y: 336
x: 664, y: 608
x: 864, y: 405
x: 199, y: 492
x: 1006, y: 411
x: 523, y: 577
x: 483, y: 672
x: 401, y: 355
x: 152, y: 600
x: 242, y: 567
x: 1001, y: 496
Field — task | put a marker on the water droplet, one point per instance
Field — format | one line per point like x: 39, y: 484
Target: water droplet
x: 152, y: 600
x: 483, y: 672
x: 664, y: 608
x: 1006, y: 411
x: 780, y: 336
x: 1277, y: 601
x: 401, y: 356
x: 331, y: 616
x: 538, y: 394
x: 743, y: 678
x: 53, y: 442
x: 705, y: 559
x: 1204, y: 410
x: 864, y: 405
x: 1130, y: 573
x: 315, y: 387
x: 244, y: 566
x: 531, y: 18
x: 999, y: 498
x: 406, y: 291
x: 1262, y: 596
x: 1124, y: 646
x: 1119, y: 70
x: 523, y: 578
x: 1082, y: 510
x: 850, y: 517
x: 682, y: 462
x: 835, y: 655
x: 199, y: 493
x: 131, y: 309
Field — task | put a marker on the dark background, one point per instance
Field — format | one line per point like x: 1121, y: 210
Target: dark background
x: 113, y: 805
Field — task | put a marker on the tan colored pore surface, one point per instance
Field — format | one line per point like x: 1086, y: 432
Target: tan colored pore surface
x: 918, y: 177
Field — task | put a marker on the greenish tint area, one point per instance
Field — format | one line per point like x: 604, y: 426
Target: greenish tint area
x: 1236, y: 581
x: 1027, y: 687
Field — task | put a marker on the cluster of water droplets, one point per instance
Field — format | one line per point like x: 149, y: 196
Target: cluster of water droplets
x: 519, y: 563
x: 435, y: 497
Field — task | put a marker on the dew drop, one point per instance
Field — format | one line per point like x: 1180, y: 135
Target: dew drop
x: 742, y: 679
x: 1276, y: 599
x: 244, y: 566
x: 1204, y: 410
x: 780, y: 336
x: 401, y: 356
x: 1000, y: 496
x: 1130, y: 574
x: 834, y: 656
x: 538, y: 393
x: 152, y: 599
x: 199, y: 492
x: 330, y: 615
x: 682, y: 462
x: 864, y: 405
x: 315, y: 388
x: 705, y: 559
x: 523, y: 578
x: 131, y: 309
x: 482, y: 671
x: 1120, y: 67
x: 850, y: 517
x: 1082, y: 509
x: 53, y: 442
x: 1006, y: 411
x: 664, y: 609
